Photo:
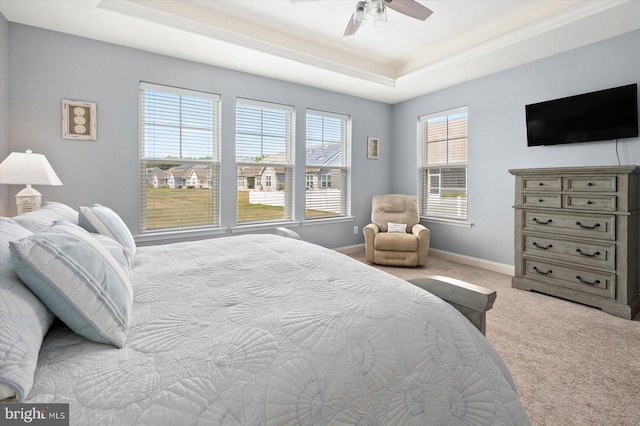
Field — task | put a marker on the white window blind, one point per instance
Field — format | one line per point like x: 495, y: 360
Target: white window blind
x: 442, y: 164
x: 328, y: 162
x: 264, y: 158
x: 179, y: 160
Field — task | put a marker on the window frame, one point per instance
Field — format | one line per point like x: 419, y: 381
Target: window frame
x: 425, y: 168
x: 324, y: 172
x: 288, y: 162
x: 144, y: 160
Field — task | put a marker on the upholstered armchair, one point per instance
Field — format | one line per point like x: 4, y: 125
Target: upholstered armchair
x: 395, y: 237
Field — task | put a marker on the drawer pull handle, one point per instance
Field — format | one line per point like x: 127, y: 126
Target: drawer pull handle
x: 541, y: 184
x: 535, y: 268
x: 548, y: 221
x: 587, y: 254
x: 579, y: 278
x: 540, y: 200
x: 590, y: 184
x: 589, y: 202
x: 544, y: 248
x: 597, y: 225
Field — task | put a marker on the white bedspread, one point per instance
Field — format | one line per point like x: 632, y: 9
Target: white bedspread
x: 261, y: 329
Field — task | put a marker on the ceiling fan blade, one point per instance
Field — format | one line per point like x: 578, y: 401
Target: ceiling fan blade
x: 351, y: 26
x: 410, y: 8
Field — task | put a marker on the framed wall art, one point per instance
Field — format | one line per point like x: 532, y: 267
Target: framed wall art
x: 373, y: 148
x: 79, y: 120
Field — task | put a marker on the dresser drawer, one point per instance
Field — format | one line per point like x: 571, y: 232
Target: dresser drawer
x: 583, y: 280
x: 590, y: 184
x: 601, y: 227
x: 590, y: 202
x: 541, y: 184
x: 542, y: 200
x: 595, y: 255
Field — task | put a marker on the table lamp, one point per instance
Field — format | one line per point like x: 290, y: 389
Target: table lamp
x: 27, y: 168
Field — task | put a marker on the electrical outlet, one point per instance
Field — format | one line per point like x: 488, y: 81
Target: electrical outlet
x: 355, y: 230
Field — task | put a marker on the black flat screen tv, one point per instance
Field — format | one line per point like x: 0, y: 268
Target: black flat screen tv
x: 603, y: 115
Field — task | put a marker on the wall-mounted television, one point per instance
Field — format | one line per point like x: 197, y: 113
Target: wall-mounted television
x: 603, y: 115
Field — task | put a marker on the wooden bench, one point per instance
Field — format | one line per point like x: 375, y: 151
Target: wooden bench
x: 471, y: 300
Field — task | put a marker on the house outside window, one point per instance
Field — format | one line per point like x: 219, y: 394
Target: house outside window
x: 264, y: 155
x: 328, y: 161
x: 179, y: 158
x: 442, y: 163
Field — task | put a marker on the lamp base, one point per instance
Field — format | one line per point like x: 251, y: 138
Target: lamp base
x: 28, y: 200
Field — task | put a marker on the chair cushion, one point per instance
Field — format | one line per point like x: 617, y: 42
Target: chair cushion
x: 396, y: 242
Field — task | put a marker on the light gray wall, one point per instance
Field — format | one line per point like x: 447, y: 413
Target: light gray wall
x: 47, y: 67
x: 4, y: 107
x: 497, y: 137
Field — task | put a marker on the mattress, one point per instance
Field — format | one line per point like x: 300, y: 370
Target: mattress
x: 261, y: 329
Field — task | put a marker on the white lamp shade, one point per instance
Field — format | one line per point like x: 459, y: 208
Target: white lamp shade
x: 26, y: 168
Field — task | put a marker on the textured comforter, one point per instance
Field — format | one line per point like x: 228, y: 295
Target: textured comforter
x: 261, y: 329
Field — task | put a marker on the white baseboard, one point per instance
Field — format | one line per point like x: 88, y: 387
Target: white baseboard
x: 489, y: 265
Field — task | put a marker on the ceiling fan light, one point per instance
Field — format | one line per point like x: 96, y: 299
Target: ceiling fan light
x: 360, y: 16
x: 377, y: 7
x: 380, y: 20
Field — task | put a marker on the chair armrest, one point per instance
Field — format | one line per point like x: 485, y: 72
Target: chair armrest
x: 370, y: 232
x: 423, y: 234
x: 470, y: 299
x: 285, y: 232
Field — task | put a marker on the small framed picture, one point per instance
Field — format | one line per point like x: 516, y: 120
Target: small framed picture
x: 373, y: 149
x: 79, y: 120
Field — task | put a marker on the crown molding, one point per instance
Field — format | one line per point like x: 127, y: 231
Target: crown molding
x: 155, y: 15
x: 539, y: 28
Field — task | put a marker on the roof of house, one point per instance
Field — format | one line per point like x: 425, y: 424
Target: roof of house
x: 323, y: 154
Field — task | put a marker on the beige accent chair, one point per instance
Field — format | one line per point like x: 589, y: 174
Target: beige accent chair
x: 393, y: 248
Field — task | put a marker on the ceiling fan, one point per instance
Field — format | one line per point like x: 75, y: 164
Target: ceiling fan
x: 378, y: 9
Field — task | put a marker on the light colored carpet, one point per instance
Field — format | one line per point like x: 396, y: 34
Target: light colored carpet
x: 572, y: 364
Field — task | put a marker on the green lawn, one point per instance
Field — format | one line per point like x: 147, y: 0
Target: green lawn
x: 196, y: 208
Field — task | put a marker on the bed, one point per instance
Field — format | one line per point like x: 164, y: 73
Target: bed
x: 262, y: 329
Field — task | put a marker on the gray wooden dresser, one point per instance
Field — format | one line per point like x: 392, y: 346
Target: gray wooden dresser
x: 576, y: 235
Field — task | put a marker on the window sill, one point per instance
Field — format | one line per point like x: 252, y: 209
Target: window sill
x: 328, y: 220
x: 262, y: 226
x: 451, y: 222
x: 177, y: 234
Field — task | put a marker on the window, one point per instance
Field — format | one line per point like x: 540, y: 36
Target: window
x: 328, y: 161
x: 443, y: 164
x: 264, y: 155
x: 309, y: 181
x: 179, y: 164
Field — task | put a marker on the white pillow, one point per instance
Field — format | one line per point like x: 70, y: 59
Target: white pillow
x: 399, y: 228
x: 41, y: 219
x: 78, y: 280
x: 24, y: 321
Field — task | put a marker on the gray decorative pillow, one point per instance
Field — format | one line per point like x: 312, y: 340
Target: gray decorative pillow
x: 78, y: 280
x: 24, y: 318
x: 102, y: 220
x: 121, y: 254
x: 43, y: 218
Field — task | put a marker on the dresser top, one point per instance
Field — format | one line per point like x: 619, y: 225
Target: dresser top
x: 576, y: 170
